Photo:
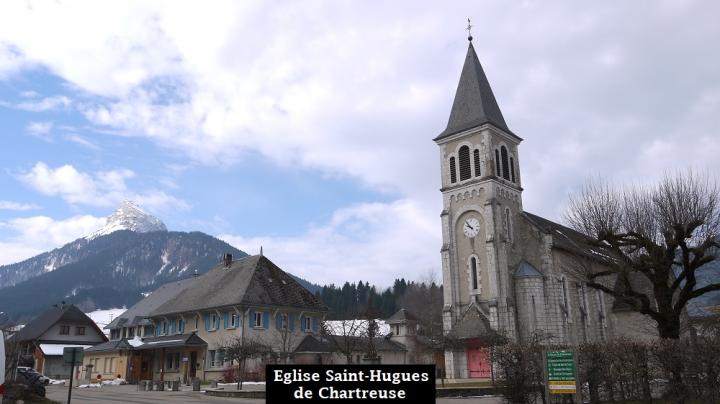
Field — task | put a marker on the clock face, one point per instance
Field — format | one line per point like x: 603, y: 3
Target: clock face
x: 471, y: 228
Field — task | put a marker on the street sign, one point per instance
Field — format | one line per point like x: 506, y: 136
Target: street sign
x: 78, y: 355
x: 561, y: 372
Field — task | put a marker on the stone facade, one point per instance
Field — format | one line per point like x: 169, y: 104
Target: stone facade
x: 520, y: 273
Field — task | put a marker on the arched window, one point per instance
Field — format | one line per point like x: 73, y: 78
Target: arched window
x: 497, y: 163
x: 512, y: 169
x: 508, y: 225
x: 504, y: 158
x: 464, y: 157
x: 476, y: 157
x: 473, y: 273
x: 453, y: 176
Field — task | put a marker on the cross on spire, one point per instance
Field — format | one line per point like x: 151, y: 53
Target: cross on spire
x: 469, y: 27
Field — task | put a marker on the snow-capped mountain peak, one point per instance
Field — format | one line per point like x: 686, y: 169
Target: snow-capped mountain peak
x: 129, y: 216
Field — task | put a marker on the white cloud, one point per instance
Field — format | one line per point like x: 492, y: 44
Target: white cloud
x: 42, y: 105
x: 10, y: 205
x: 34, y: 235
x: 355, y: 245
x: 39, y: 128
x: 104, y: 188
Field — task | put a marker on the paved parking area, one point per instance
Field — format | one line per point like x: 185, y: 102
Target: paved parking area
x: 129, y: 394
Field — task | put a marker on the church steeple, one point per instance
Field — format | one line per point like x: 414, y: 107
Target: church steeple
x: 474, y: 103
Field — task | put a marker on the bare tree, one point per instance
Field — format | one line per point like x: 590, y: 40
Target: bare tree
x: 240, y: 349
x: 425, y: 301
x: 345, y: 335
x: 285, y: 342
x: 653, y: 240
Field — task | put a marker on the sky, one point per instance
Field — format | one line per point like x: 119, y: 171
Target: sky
x: 306, y: 127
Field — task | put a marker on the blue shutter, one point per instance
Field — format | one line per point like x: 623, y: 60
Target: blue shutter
x: 266, y: 320
x: 226, y: 319
x: 302, y: 323
x: 315, y: 324
x: 278, y: 321
x: 207, y: 322
x: 291, y: 320
x: 157, y: 330
x: 217, y: 322
x: 251, y: 319
x: 173, y: 327
x: 182, y: 326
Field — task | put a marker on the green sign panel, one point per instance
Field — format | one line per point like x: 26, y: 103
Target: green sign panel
x: 68, y: 355
x: 560, y: 365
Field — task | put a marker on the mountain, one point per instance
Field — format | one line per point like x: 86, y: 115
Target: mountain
x: 127, y: 217
x: 113, y: 270
x: 131, y: 255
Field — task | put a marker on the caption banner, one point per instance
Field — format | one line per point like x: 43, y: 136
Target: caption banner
x: 350, y: 383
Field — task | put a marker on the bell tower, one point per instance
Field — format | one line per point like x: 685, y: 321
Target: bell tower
x: 482, y: 198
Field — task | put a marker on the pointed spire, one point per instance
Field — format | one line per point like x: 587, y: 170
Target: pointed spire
x: 474, y: 103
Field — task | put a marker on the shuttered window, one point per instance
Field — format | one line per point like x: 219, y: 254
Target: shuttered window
x: 504, y: 159
x: 476, y: 158
x: 453, y: 176
x: 464, y: 157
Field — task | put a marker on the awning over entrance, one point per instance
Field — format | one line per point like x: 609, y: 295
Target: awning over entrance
x: 57, y: 349
x: 172, y: 341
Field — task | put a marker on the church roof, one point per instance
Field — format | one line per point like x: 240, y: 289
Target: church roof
x: 525, y: 270
x: 474, y: 102
x: 567, y: 239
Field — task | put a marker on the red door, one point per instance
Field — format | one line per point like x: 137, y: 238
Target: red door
x: 478, y: 363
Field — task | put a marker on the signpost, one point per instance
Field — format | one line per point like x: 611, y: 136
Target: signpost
x: 561, y: 372
x: 72, y: 356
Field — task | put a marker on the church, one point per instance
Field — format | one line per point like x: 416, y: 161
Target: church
x: 507, y: 271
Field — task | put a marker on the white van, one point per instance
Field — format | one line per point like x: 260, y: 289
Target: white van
x: 2, y: 364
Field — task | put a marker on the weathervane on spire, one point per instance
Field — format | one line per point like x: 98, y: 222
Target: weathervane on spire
x: 469, y: 27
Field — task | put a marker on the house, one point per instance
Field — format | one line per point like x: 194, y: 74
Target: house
x: 43, y: 339
x: 178, y: 332
x: 402, y: 345
x: 507, y: 271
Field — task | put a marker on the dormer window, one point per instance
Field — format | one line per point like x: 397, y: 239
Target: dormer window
x: 64, y: 330
x: 258, y: 319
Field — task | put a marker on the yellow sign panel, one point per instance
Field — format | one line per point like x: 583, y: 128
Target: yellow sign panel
x: 562, y: 387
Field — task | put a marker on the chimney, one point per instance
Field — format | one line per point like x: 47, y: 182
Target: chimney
x: 227, y: 260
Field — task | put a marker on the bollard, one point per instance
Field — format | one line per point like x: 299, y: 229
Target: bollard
x: 196, y: 384
x: 176, y: 385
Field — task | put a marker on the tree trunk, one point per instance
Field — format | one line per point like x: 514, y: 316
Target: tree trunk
x: 669, y: 327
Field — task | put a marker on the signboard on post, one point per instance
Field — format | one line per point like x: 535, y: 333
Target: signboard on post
x: 73, y: 352
x: 561, y: 372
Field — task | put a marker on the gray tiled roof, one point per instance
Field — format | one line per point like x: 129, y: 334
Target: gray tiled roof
x: 67, y: 313
x: 136, y: 314
x: 249, y: 281
x: 569, y: 240
x: 525, y: 270
x: 472, y: 324
x: 171, y: 341
x: 474, y: 102
x: 312, y: 343
x: 110, y: 346
x: 401, y: 316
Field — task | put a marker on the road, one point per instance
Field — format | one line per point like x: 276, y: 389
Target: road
x: 129, y: 394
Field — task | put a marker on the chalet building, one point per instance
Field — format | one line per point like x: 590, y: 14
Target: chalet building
x: 177, y: 332
x: 43, y: 339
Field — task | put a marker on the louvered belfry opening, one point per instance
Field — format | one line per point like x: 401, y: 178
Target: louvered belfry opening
x: 453, y: 175
x: 476, y: 157
x: 464, y: 157
x: 504, y: 158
